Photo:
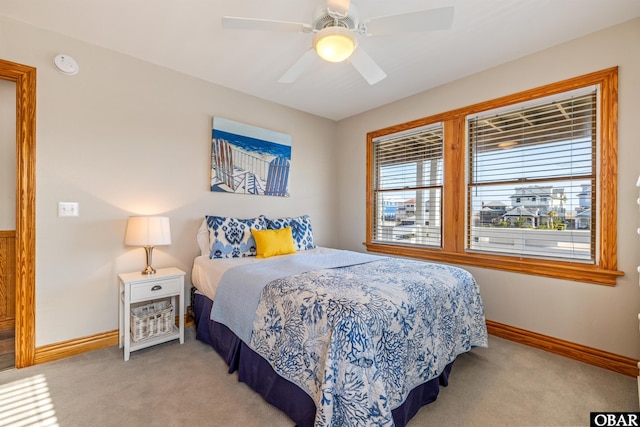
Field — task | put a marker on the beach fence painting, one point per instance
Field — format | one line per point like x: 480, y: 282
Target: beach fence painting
x: 247, y: 159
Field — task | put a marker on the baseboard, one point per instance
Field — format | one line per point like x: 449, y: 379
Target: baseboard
x: 51, y: 352
x: 613, y: 362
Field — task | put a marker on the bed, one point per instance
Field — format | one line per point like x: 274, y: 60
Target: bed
x: 330, y: 337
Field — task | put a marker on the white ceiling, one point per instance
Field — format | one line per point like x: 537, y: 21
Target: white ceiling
x: 186, y: 35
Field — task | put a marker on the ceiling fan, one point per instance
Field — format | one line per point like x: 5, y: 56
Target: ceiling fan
x: 336, y: 28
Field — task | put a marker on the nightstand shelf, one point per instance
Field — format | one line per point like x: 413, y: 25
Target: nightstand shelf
x: 159, y: 339
x: 137, y: 289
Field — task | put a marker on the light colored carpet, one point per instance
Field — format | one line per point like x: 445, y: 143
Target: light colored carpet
x: 507, y: 384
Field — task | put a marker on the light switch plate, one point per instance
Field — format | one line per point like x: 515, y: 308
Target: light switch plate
x: 68, y: 209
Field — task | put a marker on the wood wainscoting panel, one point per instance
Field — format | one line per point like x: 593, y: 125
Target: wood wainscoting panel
x: 613, y: 362
x: 7, y: 279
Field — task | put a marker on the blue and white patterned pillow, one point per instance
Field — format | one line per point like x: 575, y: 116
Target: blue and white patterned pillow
x: 300, y: 228
x: 231, y: 237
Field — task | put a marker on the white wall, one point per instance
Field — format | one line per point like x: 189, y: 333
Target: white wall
x: 125, y: 137
x: 597, y: 316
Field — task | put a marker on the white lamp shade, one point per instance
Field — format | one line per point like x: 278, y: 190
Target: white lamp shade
x: 147, y: 231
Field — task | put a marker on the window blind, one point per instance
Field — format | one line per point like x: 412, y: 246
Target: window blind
x: 407, y: 187
x: 532, y: 184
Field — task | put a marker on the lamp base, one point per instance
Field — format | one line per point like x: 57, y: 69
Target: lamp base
x: 149, y: 269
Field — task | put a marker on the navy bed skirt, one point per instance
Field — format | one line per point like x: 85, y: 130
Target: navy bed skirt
x: 257, y: 373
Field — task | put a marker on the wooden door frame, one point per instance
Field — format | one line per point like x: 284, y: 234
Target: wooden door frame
x: 25, y: 78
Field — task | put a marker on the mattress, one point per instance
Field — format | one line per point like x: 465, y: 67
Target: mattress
x: 207, y: 273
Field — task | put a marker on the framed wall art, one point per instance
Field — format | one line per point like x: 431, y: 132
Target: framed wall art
x: 247, y: 159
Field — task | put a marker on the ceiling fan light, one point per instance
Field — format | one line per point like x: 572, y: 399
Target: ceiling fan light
x: 334, y: 44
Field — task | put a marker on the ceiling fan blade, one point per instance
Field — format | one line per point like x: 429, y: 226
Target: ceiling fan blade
x: 424, y: 20
x: 339, y: 7
x: 232, y: 22
x: 298, y: 67
x: 362, y: 62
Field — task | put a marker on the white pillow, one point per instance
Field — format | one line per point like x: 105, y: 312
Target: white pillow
x: 203, y: 238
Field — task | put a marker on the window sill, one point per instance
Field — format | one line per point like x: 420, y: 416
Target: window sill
x: 578, y: 272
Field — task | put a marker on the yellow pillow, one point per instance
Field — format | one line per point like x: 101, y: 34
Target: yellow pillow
x: 273, y: 242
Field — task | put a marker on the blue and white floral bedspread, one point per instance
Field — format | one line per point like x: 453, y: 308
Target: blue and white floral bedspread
x: 358, y: 339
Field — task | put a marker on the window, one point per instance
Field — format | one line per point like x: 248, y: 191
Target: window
x: 544, y: 149
x: 524, y: 183
x: 407, y: 195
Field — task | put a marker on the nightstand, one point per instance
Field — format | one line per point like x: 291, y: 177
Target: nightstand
x: 140, y: 288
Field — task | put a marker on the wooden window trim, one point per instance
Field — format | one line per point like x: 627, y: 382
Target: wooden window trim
x: 604, y: 272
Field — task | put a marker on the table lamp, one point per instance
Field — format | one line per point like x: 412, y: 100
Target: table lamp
x: 148, y: 231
